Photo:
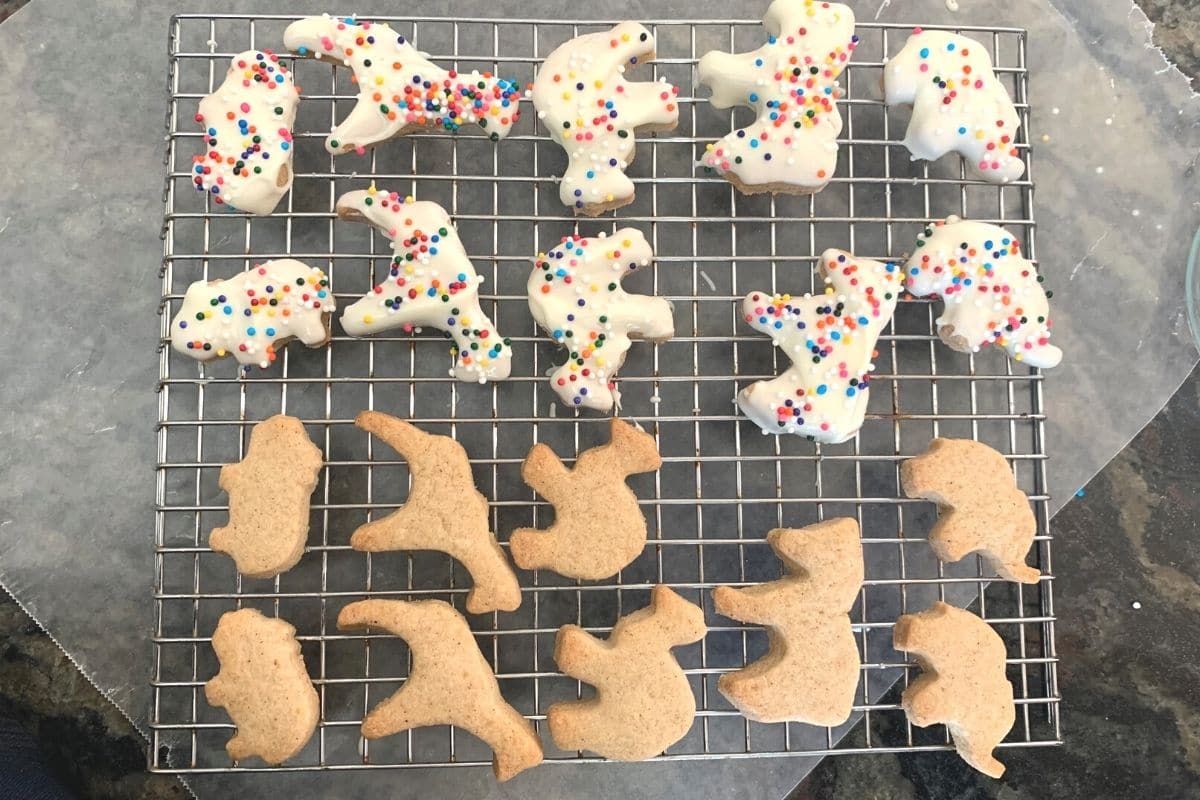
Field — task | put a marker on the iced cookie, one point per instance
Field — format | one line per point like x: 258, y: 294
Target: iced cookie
x: 252, y: 315
x: 268, y: 499
x: 444, y: 512
x: 399, y: 89
x: 643, y: 703
x: 810, y: 671
x: 958, y: 104
x: 598, y: 526
x: 264, y: 686
x: 247, y: 162
x: 980, y: 508
x: 830, y: 339
x: 449, y: 682
x: 431, y: 283
x: 992, y: 294
x: 575, y: 295
x: 963, y: 685
x: 791, y: 84
x: 588, y: 107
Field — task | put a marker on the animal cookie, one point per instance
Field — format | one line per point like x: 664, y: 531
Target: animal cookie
x: 268, y: 499
x: 581, y: 95
x: 811, y: 668
x: 444, y: 512
x: 252, y: 315
x: 431, y: 282
x: 248, y: 134
x: 791, y: 83
x: 598, y: 527
x: 963, y: 684
x: 959, y: 105
x: 643, y: 703
x: 449, y: 683
x: 992, y: 294
x: 575, y: 294
x: 980, y: 508
x: 264, y: 687
x: 399, y: 89
x: 830, y: 339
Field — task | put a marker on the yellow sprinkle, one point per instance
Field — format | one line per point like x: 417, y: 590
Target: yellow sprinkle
x: 627, y: 243
x: 221, y: 352
x: 379, y: 80
x: 368, y: 319
x: 270, y: 312
x: 408, y: 198
x: 609, y: 198
x: 624, y: 37
x: 371, y: 189
x: 566, y: 95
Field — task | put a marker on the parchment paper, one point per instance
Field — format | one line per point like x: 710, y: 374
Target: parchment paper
x: 82, y: 104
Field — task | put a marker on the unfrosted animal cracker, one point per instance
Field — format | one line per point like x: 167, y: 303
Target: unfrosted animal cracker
x: 247, y: 161
x: 399, y: 89
x: 598, y: 526
x: 251, y: 316
x: 444, y: 512
x: 643, y: 703
x: 269, y: 494
x: 449, y: 683
x: 811, y: 668
x: 263, y: 685
x: 588, y: 107
x: 980, y: 508
x: 963, y: 685
x: 791, y: 84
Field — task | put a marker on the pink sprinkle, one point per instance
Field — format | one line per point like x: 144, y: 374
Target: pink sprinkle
x: 245, y: 108
x: 326, y: 42
x: 924, y: 67
x: 360, y: 150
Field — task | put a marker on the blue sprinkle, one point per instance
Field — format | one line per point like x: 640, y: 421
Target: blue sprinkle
x: 822, y: 389
x: 924, y: 52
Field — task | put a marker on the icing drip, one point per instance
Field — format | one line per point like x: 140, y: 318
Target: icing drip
x: 992, y: 294
x: 959, y: 105
x: 248, y: 134
x: 830, y: 339
x: 431, y: 283
x: 399, y: 89
x: 249, y: 315
x: 791, y: 83
x: 575, y: 294
x: 587, y: 106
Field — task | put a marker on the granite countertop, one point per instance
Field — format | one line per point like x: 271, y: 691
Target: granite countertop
x: 1128, y: 636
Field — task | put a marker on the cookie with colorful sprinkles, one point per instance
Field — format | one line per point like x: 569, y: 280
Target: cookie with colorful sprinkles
x: 399, y: 89
x: 588, y: 107
x: 252, y: 315
x: 958, y: 104
x: 431, y: 282
x: 791, y: 83
x: 246, y: 164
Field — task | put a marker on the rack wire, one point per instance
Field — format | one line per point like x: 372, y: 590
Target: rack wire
x: 722, y: 485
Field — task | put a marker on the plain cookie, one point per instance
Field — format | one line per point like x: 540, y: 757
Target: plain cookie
x: 811, y: 669
x: 963, y: 685
x: 643, y: 703
x: 269, y: 493
x: 449, y: 682
x: 598, y: 526
x: 264, y: 686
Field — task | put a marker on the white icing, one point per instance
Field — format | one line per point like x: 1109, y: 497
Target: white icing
x: 830, y: 339
x: 587, y: 106
x: 959, y: 105
x: 249, y: 315
x: 257, y: 99
x: 793, y: 141
x: 431, y: 283
x: 399, y: 89
x: 992, y: 294
x: 575, y: 285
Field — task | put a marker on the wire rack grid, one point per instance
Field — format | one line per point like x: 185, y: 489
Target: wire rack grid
x: 722, y: 485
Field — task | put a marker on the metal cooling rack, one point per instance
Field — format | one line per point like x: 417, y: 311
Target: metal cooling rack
x: 722, y: 485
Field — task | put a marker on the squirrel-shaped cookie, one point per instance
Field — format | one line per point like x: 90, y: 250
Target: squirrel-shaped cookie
x: 980, y: 508
x: 269, y: 494
x: 963, y: 685
x: 263, y: 685
x: 450, y: 682
x: 444, y: 512
x: 811, y: 668
x: 598, y: 526
x: 643, y: 703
